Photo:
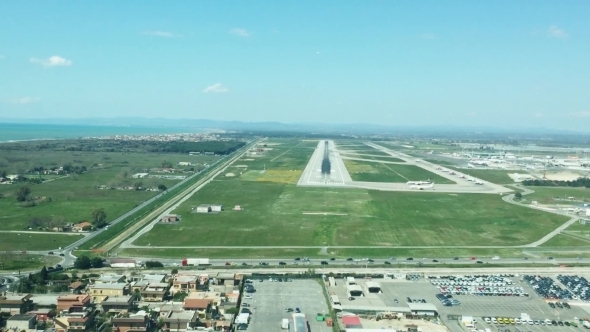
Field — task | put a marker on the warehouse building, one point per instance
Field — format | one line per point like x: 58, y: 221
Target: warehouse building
x: 373, y: 287
x: 354, y: 290
x: 209, y: 208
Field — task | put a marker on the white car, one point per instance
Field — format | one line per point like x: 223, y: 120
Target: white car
x: 247, y: 296
x: 496, y: 258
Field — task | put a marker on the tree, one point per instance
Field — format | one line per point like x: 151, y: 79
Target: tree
x: 152, y: 264
x: 179, y: 296
x: 136, y: 295
x: 99, y: 217
x: 174, y: 271
x: 167, y: 164
x: 44, y: 274
x: 83, y: 263
x: 23, y: 194
x: 96, y: 262
x: 162, y: 187
x: 518, y: 195
x: 3, y: 174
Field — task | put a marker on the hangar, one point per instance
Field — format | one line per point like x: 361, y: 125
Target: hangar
x: 354, y: 290
x: 373, y: 287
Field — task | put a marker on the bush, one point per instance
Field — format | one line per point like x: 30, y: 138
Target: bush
x: 151, y: 264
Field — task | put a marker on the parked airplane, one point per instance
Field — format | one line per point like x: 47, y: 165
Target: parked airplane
x: 417, y: 183
x: 422, y: 187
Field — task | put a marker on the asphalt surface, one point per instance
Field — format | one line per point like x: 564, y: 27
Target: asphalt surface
x: 340, y: 177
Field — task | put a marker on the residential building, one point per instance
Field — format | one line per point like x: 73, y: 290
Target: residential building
x: 72, y: 322
x: 76, y: 286
x: 130, y: 324
x: 20, y: 322
x: 73, y: 303
x: 117, y: 304
x: 99, y: 291
x: 111, y: 278
x: 200, y: 306
x: 155, y: 277
x: 41, y: 314
x: 182, y: 283
x: 214, y: 297
x: 224, y: 278
x: 13, y: 304
x: 154, y: 292
x: 170, y: 218
x: 180, y: 321
x: 82, y: 227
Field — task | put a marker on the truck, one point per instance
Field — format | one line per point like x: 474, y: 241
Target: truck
x: 195, y: 261
x: 285, y: 324
x: 586, y: 324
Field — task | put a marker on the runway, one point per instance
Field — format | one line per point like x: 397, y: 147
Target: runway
x: 339, y: 176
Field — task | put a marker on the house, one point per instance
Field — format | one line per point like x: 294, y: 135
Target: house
x: 200, y: 306
x: 111, y: 278
x: 41, y: 314
x: 69, y: 323
x: 185, y: 284
x: 170, y: 218
x: 154, y: 292
x: 76, y: 286
x: 154, y: 277
x: 117, y: 304
x: 99, y: 291
x: 213, y: 297
x: 20, y: 322
x: 12, y: 304
x: 237, y: 208
x: 73, y: 303
x: 180, y: 321
x: 207, y: 208
x: 130, y: 324
x: 62, y: 228
x: 82, y: 227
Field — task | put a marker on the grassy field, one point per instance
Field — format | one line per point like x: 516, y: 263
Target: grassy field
x: 72, y: 198
x: 279, y: 214
x: 24, y: 262
x: 392, y: 159
x: 561, y: 240
x: 555, y: 195
x: 380, y: 172
x: 491, y: 175
x: 35, y: 241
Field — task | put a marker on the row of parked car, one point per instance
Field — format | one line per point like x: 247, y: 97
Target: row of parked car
x: 579, y: 286
x: 559, y: 305
x: 483, y: 291
x: 518, y: 321
x: 474, y: 276
x: 547, y: 288
x: 447, y: 300
x: 494, y: 281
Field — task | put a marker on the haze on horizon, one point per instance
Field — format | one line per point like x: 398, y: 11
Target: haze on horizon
x: 381, y: 62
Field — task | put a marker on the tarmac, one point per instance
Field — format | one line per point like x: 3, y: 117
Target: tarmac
x: 339, y: 176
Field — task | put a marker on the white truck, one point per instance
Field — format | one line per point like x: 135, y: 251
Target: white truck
x: 195, y: 261
x: 285, y: 324
x: 586, y: 324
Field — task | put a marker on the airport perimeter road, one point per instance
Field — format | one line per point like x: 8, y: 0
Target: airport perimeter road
x: 526, y: 191
x: 146, y: 224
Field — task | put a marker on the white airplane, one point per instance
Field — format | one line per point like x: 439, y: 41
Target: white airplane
x: 422, y: 187
x: 409, y: 183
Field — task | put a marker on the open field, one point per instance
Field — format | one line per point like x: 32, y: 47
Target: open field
x: 281, y: 215
x: 562, y: 240
x: 35, y: 241
x: 380, y: 172
x: 378, y: 158
x: 491, y: 175
x: 548, y: 195
x: 72, y: 198
x: 24, y: 262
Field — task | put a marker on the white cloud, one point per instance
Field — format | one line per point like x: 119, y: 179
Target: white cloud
x: 25, y: 100
x: 215, y: 88
x: 556, y: 32
x: 582, y: 114
x: 52, y: 61
x: 163, y: 34
x: 539, y: 115
x: 240, y: 32
x: 427, y: 36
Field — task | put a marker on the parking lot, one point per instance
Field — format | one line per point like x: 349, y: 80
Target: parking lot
x: 396, y: 291
x: 270, y: 300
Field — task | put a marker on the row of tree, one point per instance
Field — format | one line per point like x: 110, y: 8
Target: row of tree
x: 84, y: 262
x: 580, y: 182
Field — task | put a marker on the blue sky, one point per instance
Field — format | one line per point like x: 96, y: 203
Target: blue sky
x: 386, y: 62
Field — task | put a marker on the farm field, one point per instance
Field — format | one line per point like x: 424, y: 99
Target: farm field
x: 380, y: 172
x: 491, y: 175
x: 72, y: 198
x: 35, y: 241
x: 548, y: 195
x: 277, y: 214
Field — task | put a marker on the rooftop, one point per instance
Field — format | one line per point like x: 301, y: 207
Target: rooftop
x: 196, y: 303
x: 182, y: 279
x: 23, y: 317
x: 118, y: 286
x: 182, y: 315
x: 154, y: 277
x: 422, y: 307
x: 117, y: 300
x: 110, y: 278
